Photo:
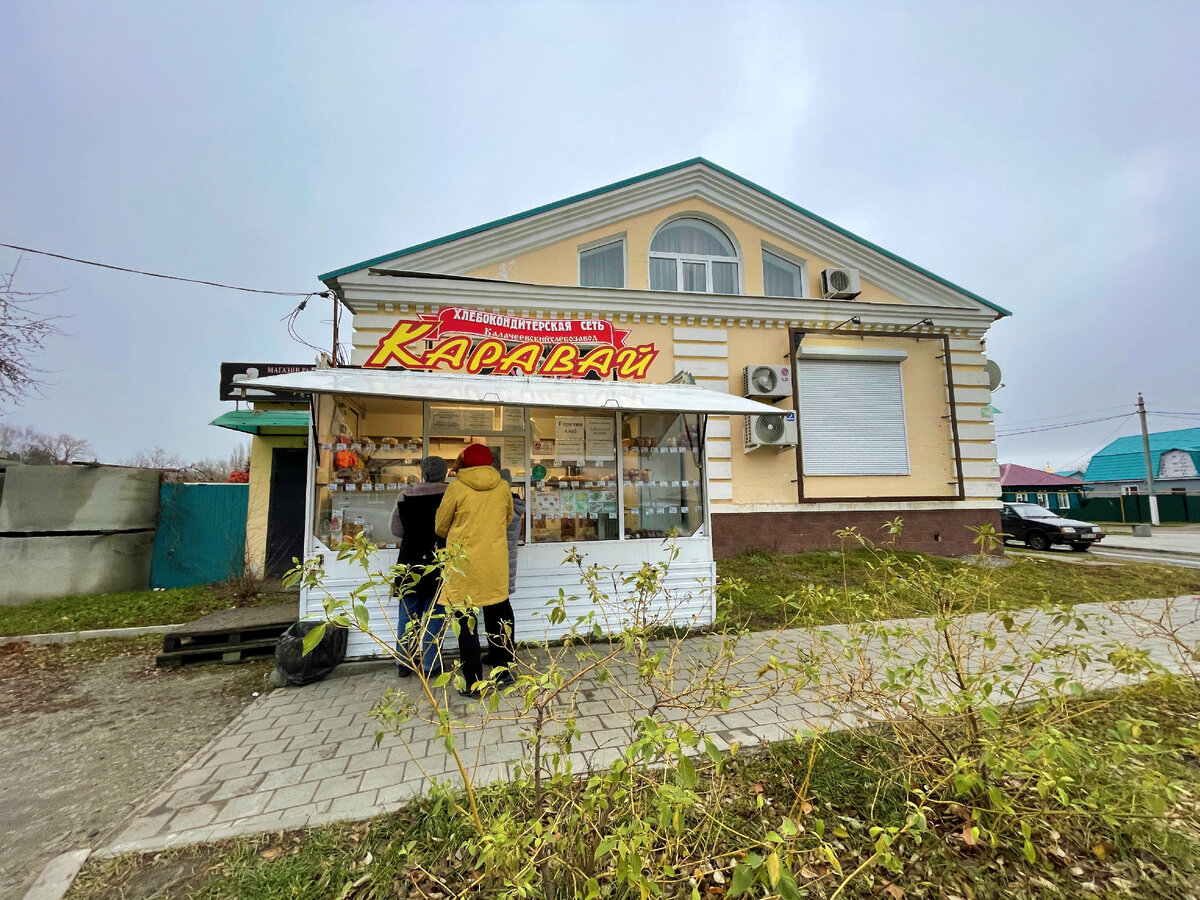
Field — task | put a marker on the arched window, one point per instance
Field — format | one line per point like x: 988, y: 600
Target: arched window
x: 695, y: 256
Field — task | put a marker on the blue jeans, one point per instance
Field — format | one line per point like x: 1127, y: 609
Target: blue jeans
x: 427, y: 621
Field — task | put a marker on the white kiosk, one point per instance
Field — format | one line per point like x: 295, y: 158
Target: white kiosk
x: 611, y: 468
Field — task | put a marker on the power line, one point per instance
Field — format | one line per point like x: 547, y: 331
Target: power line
x: 1061, y: 416
x: 231, y: 287
x: 1065, y: 425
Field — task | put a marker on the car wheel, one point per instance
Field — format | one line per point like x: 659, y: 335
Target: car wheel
x: 1080, y: 548
x: 1037, y: 540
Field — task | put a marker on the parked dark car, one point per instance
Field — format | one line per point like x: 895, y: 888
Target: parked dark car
x: 1041, y: 528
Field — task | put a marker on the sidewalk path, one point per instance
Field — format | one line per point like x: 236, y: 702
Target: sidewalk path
x: 306, y: 756
x: 1162, y: 540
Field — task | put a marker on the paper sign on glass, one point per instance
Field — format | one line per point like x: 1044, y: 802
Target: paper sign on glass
x: 569, y: 437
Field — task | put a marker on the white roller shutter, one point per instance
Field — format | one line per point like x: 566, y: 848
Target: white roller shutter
x: 852, y: 417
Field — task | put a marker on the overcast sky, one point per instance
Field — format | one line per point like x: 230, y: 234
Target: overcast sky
x: 1041, y: 155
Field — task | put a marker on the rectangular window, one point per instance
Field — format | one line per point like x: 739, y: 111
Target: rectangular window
x: 603, y: 266
x: 725, y: 278
x: 1043, y: 500
x: 781, y: 278
x: 663, y: 275
x: 1064, y: 500
x: 660, y: 467
x: 852, y: 417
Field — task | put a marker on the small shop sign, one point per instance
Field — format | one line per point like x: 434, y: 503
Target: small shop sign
x: 472, y: 340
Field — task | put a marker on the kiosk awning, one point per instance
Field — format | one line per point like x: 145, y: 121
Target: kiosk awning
x: 259, y: 421
x: 514, y: 391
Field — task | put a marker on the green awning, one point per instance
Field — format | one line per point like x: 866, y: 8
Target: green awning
x: 265, y: 421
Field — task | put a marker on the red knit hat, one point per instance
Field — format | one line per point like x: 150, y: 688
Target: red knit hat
x: 476, y: 455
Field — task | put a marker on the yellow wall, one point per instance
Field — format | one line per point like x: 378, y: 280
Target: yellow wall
x: 261, y: 447
x: 559, y: 263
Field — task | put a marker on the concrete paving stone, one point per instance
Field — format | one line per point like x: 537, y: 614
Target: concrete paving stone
x: 243, y: 807
x: 195, y: 816
x: 322, y: 753
x: 267, y: 748
x: 354, y: 806
x: 275, y: 762
x: 311, y: 739
x: 281, y: 778
x: 371, y: 759
x: 226, y: 757
x: 191, y: 778
x: 191, y: 796
x: 226, y: 742
x: 292, y: 718
x: 144, y: 826
x: 237, y: 787
x: 384, y: 776
x: 329, y: 768
x: 337, y: 786
x: 357, y: 745
x: 253, y: 726
x: 232, y: 770
x: 287, y: 797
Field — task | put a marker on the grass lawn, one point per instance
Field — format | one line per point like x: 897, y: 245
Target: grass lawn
x: 1028, y: 581
x: 838, y: 792
x: 131, y: 608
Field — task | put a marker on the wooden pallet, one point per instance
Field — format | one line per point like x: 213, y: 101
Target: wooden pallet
x: 231, y: 635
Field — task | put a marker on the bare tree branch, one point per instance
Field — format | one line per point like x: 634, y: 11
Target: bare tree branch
x: 23, y: 334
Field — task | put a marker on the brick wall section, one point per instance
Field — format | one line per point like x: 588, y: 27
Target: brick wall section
x: 938, y: 531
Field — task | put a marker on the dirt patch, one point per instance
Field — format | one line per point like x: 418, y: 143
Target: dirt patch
x: 89, y: 730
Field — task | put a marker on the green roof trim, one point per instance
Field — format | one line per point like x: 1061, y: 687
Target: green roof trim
x: 616, y: 185
x: 252, y: 421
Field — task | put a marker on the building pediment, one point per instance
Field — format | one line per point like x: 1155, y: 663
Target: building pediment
x: 697, y: 181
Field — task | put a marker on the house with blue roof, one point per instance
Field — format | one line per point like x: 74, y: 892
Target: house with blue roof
x: 1120, y: 468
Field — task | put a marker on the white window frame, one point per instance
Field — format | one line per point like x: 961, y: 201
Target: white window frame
x: 847, y: 463
x: 1064, y: 499
x: 596, y: 245
x: 1043, y: 500
x: 787, y: 257
x: 738, y: 259
x: 1130, y: 490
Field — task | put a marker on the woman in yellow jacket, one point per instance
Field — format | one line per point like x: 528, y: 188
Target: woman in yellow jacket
x: 474, y: 515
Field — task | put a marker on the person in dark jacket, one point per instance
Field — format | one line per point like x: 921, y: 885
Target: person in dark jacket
x: 419, y: 620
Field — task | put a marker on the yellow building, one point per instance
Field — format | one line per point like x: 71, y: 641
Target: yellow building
x: 857, y: 378
x: 720, y: 275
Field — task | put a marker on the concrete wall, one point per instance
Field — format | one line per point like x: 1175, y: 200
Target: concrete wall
x: 78, y: 498
x: 37, y: 568
x: 67, y: 530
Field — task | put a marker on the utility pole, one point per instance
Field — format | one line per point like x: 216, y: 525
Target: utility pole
x: 1146, y: 450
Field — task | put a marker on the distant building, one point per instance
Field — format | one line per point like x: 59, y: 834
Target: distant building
x: 1120, y: 468
x: 1048, y: 489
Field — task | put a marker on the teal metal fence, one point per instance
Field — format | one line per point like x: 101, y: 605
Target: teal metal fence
x: 1134, y: 508
x: 201, y: 536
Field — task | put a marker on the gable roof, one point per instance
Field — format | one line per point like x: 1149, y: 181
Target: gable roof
x: 1012, y: 475
x: 647, y: 176
x: 1125, y: 460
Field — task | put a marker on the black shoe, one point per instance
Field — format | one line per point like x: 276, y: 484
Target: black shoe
x: 504, y: 678
x: 470, y: 694
x: 403, y: 672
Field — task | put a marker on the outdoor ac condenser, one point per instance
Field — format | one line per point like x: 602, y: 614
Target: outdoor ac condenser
x: 840, y: 284
x: 766, y: 382
x: 771, y: 430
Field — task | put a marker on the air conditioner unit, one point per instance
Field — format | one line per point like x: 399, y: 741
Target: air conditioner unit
x: 766, y: 381
x: 840, y: 284
x: 771, y: 430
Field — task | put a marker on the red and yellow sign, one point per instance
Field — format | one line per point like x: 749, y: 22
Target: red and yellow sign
x: 471, y: 340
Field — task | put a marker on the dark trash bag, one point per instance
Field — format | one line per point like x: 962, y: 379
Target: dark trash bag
x: 298, y: 669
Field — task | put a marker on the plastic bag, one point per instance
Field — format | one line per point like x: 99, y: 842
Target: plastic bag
x: 298, y: 669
